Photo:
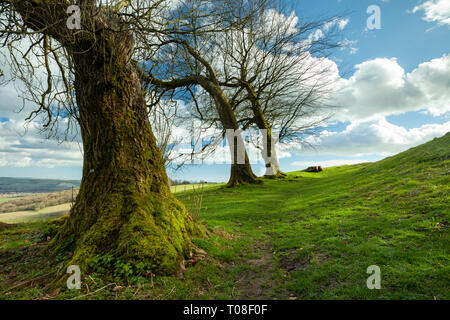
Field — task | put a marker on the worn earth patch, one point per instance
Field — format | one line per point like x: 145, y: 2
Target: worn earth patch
x: 259, y: 281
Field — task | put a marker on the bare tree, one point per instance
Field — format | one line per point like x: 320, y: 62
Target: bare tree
x: 179, y: 136
x: 192, y: 65
x: 275, y: 69
x: 162, y: 117
x: 269, y: 68
x: 90, y: 74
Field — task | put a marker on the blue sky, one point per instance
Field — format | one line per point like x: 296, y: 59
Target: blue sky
x: 404, y: 35
x: 395, y: 85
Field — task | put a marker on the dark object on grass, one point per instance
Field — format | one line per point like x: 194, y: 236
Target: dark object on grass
x: 4, y: 225
x: 314, y: 169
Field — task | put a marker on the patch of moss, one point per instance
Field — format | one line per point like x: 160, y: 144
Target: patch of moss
x: 51, y: 227
x: 152, y: 231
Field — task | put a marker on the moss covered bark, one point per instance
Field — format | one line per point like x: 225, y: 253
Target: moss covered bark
x: 124, y: 208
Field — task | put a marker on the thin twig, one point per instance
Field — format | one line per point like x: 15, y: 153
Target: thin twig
x: 91, y: 293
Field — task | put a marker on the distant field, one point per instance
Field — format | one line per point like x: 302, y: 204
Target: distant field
x: 37, y: 201
x: 5, y: 199
x: 50, y: 212
x: 190, y: 187
x: 35, y: 215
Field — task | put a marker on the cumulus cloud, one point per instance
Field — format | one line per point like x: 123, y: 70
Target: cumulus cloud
x: 23, y: 146
x: 273, y: 17
x: 435, y: 11
x: 377, y: 89
x: 381, y: 87
x: 371, y: 137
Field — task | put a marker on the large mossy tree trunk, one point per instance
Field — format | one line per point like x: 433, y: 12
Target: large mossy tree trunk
x: 124, y: 208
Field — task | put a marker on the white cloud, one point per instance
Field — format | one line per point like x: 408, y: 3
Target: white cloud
x: 435, y: 11
x: 25, y: 148
x: 343, y: 23
x: 349, y: 44
x: 340, y: 23
x: 371, y: 137
x: 273, y: 18
x: 381, y: 87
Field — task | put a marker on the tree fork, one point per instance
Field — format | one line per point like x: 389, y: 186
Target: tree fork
x: 268, y: 152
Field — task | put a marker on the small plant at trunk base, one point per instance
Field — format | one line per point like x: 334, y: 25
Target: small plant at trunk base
x: 118, y: 269
x: 194, y: 202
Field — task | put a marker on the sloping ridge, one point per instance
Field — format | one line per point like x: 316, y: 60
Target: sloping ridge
x: 29, y: 185
x: 434, y: 152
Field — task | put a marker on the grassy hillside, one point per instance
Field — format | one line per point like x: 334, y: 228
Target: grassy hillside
x: 25, y: 185
x: 310, y: 236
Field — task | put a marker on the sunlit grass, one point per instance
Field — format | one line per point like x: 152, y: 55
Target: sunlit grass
x: 312, y: 236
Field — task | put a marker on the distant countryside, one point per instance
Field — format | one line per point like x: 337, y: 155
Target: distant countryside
x: 296, y: 237
x: 224, y: 159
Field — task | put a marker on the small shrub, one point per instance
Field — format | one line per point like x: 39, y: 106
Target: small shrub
x: 118, y: 269
x: 194, y: 201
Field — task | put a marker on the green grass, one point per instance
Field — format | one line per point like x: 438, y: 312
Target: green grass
x: 310, y: 236
x: 190, y: 187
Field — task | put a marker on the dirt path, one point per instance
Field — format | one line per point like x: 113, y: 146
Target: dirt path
x: 264, y: 280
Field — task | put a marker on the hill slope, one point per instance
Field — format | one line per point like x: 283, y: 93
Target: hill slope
x: 26, y: 185
x: 434, y: 153
x: 310, y: 236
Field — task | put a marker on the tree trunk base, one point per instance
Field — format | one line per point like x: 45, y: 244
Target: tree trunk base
x: 279, y: 175
x: 242, y: 175
x: 151, y: 230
